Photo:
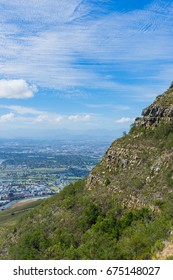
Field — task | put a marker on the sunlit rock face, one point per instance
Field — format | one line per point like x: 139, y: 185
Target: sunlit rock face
x: 161, y: 110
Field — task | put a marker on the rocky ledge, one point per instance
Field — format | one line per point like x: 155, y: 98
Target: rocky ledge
x: 160, y: 111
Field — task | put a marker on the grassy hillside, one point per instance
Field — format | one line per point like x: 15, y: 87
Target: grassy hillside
x: 11, y: 216
x: 80, y: 225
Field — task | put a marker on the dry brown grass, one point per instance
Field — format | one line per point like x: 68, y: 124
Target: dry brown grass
x: 23, y: 202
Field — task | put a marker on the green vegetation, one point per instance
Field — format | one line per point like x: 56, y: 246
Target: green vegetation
x: 10, y: 217
x: 73, y: 225
x: 13, y: 214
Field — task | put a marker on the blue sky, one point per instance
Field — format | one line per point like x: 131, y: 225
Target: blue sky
x: 81, y: 66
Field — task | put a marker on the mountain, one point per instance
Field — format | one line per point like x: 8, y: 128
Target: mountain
x: 139, y: 162
x: 122, y: 210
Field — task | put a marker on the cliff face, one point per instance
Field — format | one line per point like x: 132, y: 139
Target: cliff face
x: 135, y: 166
x: 160, y: 111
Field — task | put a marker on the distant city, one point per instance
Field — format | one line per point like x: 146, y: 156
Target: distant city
x: 35, y: 168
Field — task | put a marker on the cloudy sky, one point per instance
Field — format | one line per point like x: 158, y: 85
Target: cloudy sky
x: 89, y: 65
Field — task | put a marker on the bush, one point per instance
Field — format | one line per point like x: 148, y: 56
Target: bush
x: 169, y: 141
x: 90, y: 215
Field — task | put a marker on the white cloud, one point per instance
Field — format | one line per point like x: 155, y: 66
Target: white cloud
x: 111, y: 106
x: 124, y: 120
x: 79, y: 118
x: 7, y: 118
x: 45, y: 117
x: 28, y: 114
x: 58, y: 119
x: 17, y: 89
x: 22, y: 110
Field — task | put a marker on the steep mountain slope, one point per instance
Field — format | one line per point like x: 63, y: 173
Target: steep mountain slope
x: 122, y: 210
x: 139, y: 166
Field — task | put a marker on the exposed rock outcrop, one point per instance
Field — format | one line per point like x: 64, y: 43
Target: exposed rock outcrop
x: 160, y: 111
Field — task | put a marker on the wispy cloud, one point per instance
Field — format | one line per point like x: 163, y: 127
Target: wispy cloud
x: 53, y: 50
x: 125, y: 120
x: 59, y: 119
x: 22, y: 110
x: 39, y: 11
x: 83, y: 118
x: 111, y: 106
x: 31, y: 115
x: 7, y: 118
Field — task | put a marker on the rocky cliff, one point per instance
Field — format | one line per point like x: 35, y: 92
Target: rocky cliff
x: 135, y: 166
x: 160, y: 111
